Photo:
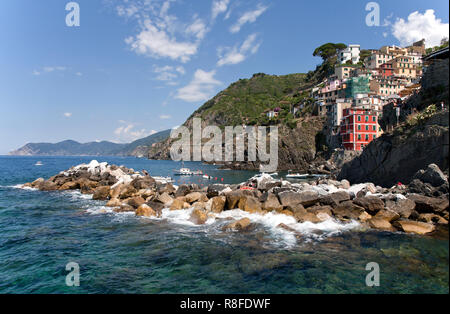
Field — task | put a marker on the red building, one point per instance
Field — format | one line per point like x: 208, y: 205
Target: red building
x: 386, y: 70
x: 359, y: 127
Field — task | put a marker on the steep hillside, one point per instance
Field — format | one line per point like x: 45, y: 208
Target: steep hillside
x: 245, y: 103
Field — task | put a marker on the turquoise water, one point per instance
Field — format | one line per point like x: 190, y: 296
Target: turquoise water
x: 40, y: 232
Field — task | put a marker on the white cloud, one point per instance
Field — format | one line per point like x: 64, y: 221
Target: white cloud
x: 236, y: 55
x: 53, y: 69
x: 156, y: 43
x: 419, y: 26
x: 67, y: 114
x: 165, y: 117
x: 198, y: 29
x: 162, y: 35
x: 219, y: 7
x: 248, y: 17
x: 128, y: 132
x: 200, y: 88
x: 168, y: 73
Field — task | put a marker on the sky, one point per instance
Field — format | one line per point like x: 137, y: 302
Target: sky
x: 135, y: 67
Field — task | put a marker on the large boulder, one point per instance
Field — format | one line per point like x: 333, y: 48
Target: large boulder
x: 414, y: 226
x: 250, y: 204
x: 177, y: 204
x: 198, y: 216
x: 136, y: 201
x: 387, y: 214
x: 101, y: 193
x: 165, y: 198
x: 321, y: 212
x: 307, y: 217
x: 218, y: 204
x: 271, y: 203
x: 145, y: 211
x: 87, y: 186
x: 334, y: 199
x: 36, y: 183
x: 417, y: 186
x: 371, y: 204
x: 70, y: 185
x: 426, y: 204
x: 157, y: 207
x: 348, y: 210
x: 114, y: 202
x: 233, y: 199
x: 196, y: 196
x: 215, y: 189
x: 182, y: 190
x: 305, y: 198
x: 404, y: 207
x: 432, y: 175
x: 433, y: 218
x: 48, y: 186
x: 381, y: 224
x: 127, y: 191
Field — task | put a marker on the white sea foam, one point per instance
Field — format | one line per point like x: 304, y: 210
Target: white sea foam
x: 21, y: 187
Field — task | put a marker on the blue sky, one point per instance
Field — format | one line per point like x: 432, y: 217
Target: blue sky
x: 135, y: 67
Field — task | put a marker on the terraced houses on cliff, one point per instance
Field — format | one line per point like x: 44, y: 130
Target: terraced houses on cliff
x: 353, y: 97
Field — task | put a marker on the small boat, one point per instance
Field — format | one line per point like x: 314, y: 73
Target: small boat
x: 188, y: 172
x: 207, y: 177
x: 39, y: 163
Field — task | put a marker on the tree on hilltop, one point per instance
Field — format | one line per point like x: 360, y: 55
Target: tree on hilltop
x: 328, y: 50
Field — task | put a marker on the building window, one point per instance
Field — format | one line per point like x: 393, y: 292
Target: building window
x: 359, y: 118
x: 359, y: 137
x: 374, y: 128
x: 367, y: 128
x: 367, y: 137
x: 359, y: 127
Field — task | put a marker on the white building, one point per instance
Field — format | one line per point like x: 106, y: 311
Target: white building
x: 351, y: 53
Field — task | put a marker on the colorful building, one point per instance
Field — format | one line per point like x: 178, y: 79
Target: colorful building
x: 358, y: 128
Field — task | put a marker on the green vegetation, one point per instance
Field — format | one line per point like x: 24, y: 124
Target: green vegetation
x: 328, y: 50
x: 444, y: 43
x: 248, y: 100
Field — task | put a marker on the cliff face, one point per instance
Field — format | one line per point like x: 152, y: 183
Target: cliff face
x: 397, y: 156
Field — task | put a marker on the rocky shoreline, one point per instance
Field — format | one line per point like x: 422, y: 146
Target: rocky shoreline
x: 422, y: 207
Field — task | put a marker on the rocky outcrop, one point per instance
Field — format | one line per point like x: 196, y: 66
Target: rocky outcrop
x: 396, y: 157
x: 394, y: 209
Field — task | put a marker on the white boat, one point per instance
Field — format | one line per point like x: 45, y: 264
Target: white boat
x: 187, y: 172
x: 39, y: 163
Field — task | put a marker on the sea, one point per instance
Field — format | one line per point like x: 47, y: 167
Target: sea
x: 43, y: 233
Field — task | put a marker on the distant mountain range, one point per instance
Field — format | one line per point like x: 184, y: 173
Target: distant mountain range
x: 138, y: 148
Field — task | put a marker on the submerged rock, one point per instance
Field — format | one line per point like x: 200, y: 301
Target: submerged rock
x: 239, y: 225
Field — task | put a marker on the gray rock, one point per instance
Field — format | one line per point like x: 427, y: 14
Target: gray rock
x: 432, y: 175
